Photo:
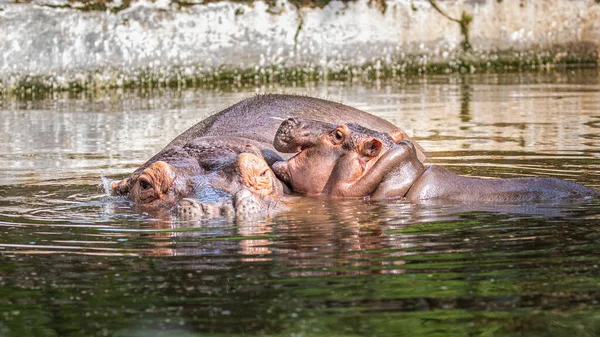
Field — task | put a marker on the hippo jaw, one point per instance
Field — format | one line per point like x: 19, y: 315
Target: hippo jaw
x: 243, y: 206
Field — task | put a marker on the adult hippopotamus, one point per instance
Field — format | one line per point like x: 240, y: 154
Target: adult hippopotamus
x: 220, y: 165
x: 336, y: 162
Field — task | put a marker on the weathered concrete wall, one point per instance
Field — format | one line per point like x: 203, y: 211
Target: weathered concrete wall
x: 54, y: 44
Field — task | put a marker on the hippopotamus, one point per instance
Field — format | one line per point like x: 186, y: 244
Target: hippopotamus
x: 220, y: 166
x: 333, y: 161
x: 207, y: 176
x: 343, y: 160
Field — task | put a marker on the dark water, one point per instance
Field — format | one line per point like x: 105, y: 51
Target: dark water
x: 74, y: 262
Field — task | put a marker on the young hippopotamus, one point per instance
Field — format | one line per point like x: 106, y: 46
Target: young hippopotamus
x: 341, y: 168
x: 343, y: 160
x: 220, y: 165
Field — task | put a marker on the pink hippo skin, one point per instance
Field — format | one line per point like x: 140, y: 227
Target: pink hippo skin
x: 347, y: 160
x: 335, y: 163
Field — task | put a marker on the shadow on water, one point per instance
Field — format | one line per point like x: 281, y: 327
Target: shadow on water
x: 75, y: 262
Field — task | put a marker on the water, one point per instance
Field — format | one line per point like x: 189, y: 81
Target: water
x: 74, y: 262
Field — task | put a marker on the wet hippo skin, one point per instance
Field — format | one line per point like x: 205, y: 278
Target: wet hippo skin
x: 343, y: 160
x: 219, y: 167
x: 438, y: 182
x: 395, y: 171
x: 258, y: 119
x: 207, y: 176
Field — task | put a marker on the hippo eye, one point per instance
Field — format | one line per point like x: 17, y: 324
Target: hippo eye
x: 338, y: 136
x: 145, y: 184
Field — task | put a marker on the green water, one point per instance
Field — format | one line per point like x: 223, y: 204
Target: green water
x: 74, y: 262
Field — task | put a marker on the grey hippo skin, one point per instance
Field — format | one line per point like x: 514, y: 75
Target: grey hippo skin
x: 396, y: 171
x: 219, y: 167
x: 258, y: 119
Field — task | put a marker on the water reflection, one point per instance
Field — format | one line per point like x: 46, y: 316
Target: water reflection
x: 78, y: 263
x: 465, y: 113
x: 378, y: 262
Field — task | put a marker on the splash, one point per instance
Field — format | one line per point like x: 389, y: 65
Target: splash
x: 106, y: 182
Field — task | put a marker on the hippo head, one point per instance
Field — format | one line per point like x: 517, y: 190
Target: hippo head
x: 346, y: 160
x: 208, y: 176
x: 321, y: 146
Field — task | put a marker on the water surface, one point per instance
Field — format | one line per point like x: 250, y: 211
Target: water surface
x: 74, y: 262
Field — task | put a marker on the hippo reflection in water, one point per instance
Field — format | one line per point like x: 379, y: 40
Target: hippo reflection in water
x: 219, y: 167
x: 354, y: 161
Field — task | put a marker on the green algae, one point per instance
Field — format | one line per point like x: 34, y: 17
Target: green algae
x: 115, y: 7
x: 193, y: 76
x: 92, y: 5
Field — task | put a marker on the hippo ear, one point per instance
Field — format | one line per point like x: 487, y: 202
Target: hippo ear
x: 370, y: 148
x: 255, y: 173
x: 397, y: 135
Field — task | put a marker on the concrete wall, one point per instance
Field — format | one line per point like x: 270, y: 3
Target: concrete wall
x: 58, y: 44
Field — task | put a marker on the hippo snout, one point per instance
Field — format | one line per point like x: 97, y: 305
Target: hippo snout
x: 297, y: 134
x: 193, y: 209
x: 243, y: 205
x: 286, y: 136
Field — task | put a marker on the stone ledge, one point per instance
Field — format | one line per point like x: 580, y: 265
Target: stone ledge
x: 56, y: 46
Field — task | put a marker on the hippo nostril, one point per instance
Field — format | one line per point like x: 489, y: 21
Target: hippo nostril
x: 288, y: 125
x: 189, y: 209
x: 305, y: 134
x: 247, y: 205
x: 227, y: 211
x: 193, y: 209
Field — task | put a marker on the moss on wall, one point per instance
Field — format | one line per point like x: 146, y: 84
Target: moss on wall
x: 191, y: 76
x: 91, y: 5
x: 464, y: 59
x: 114, y: 6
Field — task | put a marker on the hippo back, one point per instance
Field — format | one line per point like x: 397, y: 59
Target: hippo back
x: 258, y: 118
